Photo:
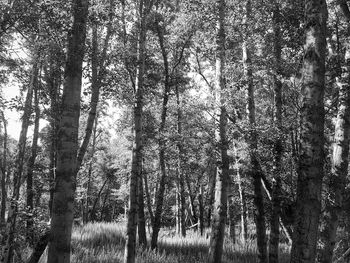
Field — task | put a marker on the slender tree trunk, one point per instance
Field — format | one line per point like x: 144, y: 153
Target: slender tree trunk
x: 67, y: 146
x: 180, y: 161
x: 252, y: 139
x: 201, y: 210
x: 30, y: 167
x: 148, y: 199
x: 88, y: 187
x: 97, y: 74
x: 243, y: 204
x: 311, y: 153
x: 3, y: 170
x: 136, y: 170
x: 278, y: 147
x: 9, y: 237
x: 222, y: 177
x: 212, y: 170
x: 340, y: 158
x: 162, y: 141
x: 232, y: 221
x: 141, y: 227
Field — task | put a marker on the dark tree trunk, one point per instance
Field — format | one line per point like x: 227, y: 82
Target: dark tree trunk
x: 162, y: 140
x: 136, y: 170
x: 67, y: 146
x: 3, y: 172
x: 252, y: 139
x: 311, y: 152
x: 30, y: 167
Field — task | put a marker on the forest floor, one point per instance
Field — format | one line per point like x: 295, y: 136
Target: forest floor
x: 104, y: 243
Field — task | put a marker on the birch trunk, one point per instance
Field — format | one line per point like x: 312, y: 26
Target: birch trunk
x: 311, y: 152
x: 340, y: 158
x: 278, y: 147
x: 67, y: 146
x: 222, y: 177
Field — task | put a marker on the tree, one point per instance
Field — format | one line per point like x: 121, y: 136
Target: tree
x: 222, y: 176
x: 135, y: 181
x: 8, y: 239
x: 311, y: 157
x: 67, y: 146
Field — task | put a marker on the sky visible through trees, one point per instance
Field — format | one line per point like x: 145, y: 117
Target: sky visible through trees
x: 174, y: 131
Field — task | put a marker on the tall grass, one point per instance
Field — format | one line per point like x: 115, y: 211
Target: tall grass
x: 104, y: 243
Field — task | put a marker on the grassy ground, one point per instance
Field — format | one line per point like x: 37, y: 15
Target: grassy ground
x: 104, y: 243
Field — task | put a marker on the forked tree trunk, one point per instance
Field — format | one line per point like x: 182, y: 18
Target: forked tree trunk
x: 30, y: 167
x: 222, y: 177
x: 252, y: 139
x: 311, y: 153
x: 162, y: 142
x: 67, y: 146
x: 278, y: 147
x: 7, y: 249
x: 340, y: 158
x: 136, y: 168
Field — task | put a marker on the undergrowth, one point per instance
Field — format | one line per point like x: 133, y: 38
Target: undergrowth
x: 104, y: 243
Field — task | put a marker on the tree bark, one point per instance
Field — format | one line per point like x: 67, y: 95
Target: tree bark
x: 180, y: 164
x: 97, y: 74
x: 311, y: 153
x: 254, y: 169
x: 136, y: 169
x: 243, y: 204
x: 3, y: 172
x: 30, y: 167
x: 278, y: 146
x: 162, y: 141
x: 340, y: 159
x: 67, y: 146
x: 222, y: 177
x: 7, y: 249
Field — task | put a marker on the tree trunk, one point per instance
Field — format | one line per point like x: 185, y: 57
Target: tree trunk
x: 278, y: 147
x: 254, y: 169
x: 88, y: 187
x: 97, y: 74
x: 222, y: 177
x: 136, y: 169
x: 67, y: 146
x: 201, y: 211
x: 242, y: 199
x: 39, y: 248
x: 9, y: 237
x: 180, y: 162
x: 141, y: 215
x: 3, y: 172
x: 232, y: 221
x: 30, y: 168
x: 340, y: 159
x: 311, y: 153
x: 148, y: 199
x: 162, y: 141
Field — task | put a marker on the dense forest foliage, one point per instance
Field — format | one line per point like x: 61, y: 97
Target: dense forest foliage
x: 175, y: 131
